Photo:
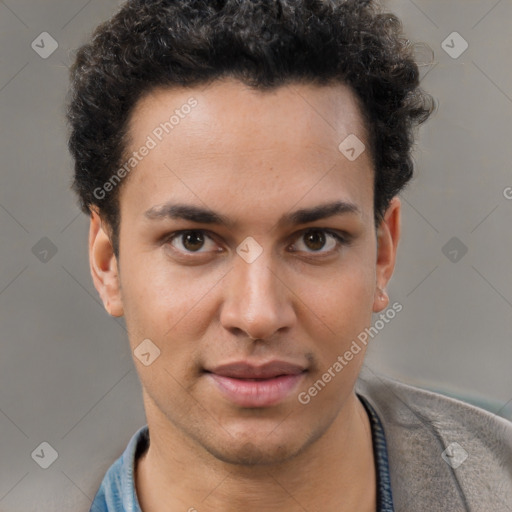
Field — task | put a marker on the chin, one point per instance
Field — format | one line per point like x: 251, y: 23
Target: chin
x: 253, y: 453
x: 262, y: 447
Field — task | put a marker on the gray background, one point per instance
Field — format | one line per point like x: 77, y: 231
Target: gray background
x: 66, y: 374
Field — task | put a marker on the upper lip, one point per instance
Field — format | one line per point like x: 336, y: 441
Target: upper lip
x: 246, y: 370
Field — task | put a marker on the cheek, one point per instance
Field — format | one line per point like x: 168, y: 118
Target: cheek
x: 343, y: 298
x: 165, y: 302
x: 338, y: 309
x: 344, y: 306
x: 168, y: 308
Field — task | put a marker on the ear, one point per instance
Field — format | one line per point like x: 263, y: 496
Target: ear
x: 104, y: 268
x: 388, y: 234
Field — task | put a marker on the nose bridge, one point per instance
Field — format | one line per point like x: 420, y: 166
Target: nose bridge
x: 257, y: 281
x: 256, y: 301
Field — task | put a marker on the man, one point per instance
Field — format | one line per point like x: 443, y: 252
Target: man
x: 240, y: 161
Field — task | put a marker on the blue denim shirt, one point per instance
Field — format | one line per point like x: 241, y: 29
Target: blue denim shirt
x: 117, y: 491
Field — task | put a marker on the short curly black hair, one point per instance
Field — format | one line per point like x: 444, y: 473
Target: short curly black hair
x: 262, y: 43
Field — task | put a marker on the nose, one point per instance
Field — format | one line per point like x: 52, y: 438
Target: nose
x: 257, y: 303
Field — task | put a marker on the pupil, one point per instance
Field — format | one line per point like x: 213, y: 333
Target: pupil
x: 193, y: 241
x: 315, y: 240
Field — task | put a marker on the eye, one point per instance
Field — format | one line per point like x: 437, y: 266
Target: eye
x: 319, y: 241
x: 191, y: 241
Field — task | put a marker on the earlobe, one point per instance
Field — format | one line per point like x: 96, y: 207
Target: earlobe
x: 104, y: 267
x: 388, y: 235
x: 381, y: 300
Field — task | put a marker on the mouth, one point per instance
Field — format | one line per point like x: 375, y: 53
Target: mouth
x: 256, y: 386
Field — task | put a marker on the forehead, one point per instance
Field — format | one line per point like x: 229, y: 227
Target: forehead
x: 263, y: 143
x: 311, y: 110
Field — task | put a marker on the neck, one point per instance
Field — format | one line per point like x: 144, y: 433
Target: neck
x: 337, y: 472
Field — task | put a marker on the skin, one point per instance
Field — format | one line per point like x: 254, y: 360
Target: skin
x: 252, y: 157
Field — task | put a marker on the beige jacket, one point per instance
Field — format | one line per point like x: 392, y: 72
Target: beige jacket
x: 429, y: 473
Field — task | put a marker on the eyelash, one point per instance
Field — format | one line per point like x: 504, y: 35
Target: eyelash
x: 342, y: 240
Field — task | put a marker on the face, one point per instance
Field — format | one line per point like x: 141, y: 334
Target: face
x: 249, y: 256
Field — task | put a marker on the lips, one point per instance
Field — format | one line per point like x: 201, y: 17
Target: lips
x: 245, y: 370
x: 248, y: 385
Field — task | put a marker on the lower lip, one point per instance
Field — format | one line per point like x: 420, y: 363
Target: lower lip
x: 256, y: 393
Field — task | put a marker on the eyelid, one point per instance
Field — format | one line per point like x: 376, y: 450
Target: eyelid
x: 170, y: 237
x: 337, y: 233
x: 341, y: 237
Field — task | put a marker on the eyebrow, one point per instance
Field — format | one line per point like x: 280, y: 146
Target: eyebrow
x: 202, y: 215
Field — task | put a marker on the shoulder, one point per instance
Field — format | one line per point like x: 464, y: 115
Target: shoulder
x: 397, y: 399
x: 117, y: 490
x: 441, y: 450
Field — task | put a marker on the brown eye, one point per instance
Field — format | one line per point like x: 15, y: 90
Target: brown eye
x: 314, y: 240
x: 321, y: 241
x: 192, y: 240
